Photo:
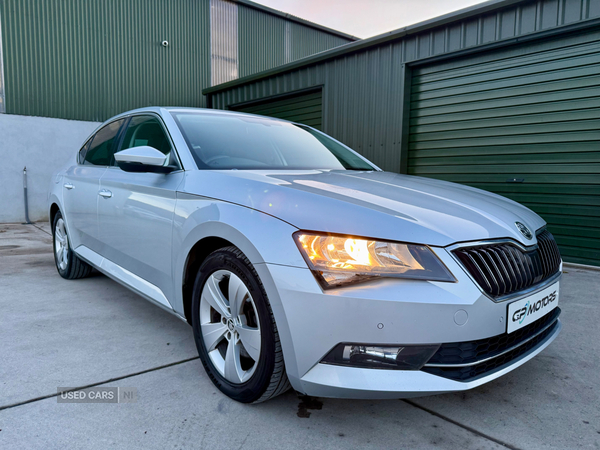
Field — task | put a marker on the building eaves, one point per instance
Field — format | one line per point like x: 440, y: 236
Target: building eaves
x: 352, y: 47
x: 296, y: 19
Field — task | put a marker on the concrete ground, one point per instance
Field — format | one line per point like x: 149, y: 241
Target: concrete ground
x: 55, y: 333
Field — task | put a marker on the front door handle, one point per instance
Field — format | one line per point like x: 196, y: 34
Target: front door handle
x: 68, y: 186
x: 105, y: 193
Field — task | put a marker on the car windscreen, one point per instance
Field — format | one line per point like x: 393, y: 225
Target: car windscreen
x: 219, y: 141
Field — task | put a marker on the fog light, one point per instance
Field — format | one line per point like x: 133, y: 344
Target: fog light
x: 401, y: 357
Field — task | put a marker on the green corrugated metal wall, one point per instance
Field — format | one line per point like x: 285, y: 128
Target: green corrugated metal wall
x: 312, y: 41
x: 530, y: 113
x: 89, y: 60
x: 306, y: 109
x: 260, y: 51
x: 363, y: 92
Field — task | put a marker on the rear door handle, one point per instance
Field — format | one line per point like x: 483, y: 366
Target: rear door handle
x: 105, y: 193
x: 68, y: 186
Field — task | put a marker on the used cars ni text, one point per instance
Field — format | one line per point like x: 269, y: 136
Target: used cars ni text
x: 299, y: 263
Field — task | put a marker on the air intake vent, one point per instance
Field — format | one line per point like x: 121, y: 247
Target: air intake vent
x: 502, y: 269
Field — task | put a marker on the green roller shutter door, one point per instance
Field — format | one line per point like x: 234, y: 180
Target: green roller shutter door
x: 529, y: 113
x: 306, y: 109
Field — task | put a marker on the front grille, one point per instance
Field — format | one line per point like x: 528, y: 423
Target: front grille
x: 493, y: 352
x: 503, y: 268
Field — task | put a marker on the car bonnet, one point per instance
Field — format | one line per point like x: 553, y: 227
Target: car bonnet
x: 381, y: 205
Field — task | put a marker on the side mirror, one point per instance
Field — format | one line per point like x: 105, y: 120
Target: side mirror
x: 143, y: 159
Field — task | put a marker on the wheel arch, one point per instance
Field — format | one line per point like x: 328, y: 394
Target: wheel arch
x: 54, y: 208
x: 196, y: 256
x: 202, y: 227
x: 204, y: 239
x: 252, y: 232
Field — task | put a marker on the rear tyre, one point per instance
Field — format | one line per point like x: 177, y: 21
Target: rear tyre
x: 235, y: 330
x: 68, y: 264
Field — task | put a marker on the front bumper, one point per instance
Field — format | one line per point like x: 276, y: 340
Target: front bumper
x: 386, y: 311
x: 326, y: 380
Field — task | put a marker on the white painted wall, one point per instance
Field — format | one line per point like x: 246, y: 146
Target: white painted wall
x: 43, y: 145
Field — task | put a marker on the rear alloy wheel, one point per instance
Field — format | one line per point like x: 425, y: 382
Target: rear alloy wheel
x: 234, y: 329
x: 68, y: 264
x: 61, y: 245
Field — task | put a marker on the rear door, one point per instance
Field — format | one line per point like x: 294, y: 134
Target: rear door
x: 135, y: 213
x: 81, y: 185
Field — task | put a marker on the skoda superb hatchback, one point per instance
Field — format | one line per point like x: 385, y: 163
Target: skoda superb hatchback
x: 298, y: 263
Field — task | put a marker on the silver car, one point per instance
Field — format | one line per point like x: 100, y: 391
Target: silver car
x: 299, y: 263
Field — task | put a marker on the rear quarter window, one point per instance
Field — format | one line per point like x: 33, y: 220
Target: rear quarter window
x: 82, y: 151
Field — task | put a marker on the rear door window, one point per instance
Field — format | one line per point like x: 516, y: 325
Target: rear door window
x: 102, y: 146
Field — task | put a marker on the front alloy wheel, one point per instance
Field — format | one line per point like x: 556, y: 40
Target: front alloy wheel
x: 230, y: 326
x: 235, y: 330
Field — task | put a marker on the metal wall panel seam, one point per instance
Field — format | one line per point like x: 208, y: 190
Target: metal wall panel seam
x: 287, y: 56
x: 224, y: 41
x: 2, y: 95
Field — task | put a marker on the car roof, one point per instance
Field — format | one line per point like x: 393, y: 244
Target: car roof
x: 161, y: 110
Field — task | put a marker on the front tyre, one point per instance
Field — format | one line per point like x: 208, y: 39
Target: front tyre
x: 68, y: 264
x: 234, y: 329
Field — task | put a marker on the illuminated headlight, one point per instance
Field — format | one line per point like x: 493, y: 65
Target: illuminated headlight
x: 338, y: 260
x: 400, y: 357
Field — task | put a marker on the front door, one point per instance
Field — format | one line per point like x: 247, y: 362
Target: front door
x: 135, y: 214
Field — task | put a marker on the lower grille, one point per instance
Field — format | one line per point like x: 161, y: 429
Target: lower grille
x: 486, y: 355
x: 503, y: 268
